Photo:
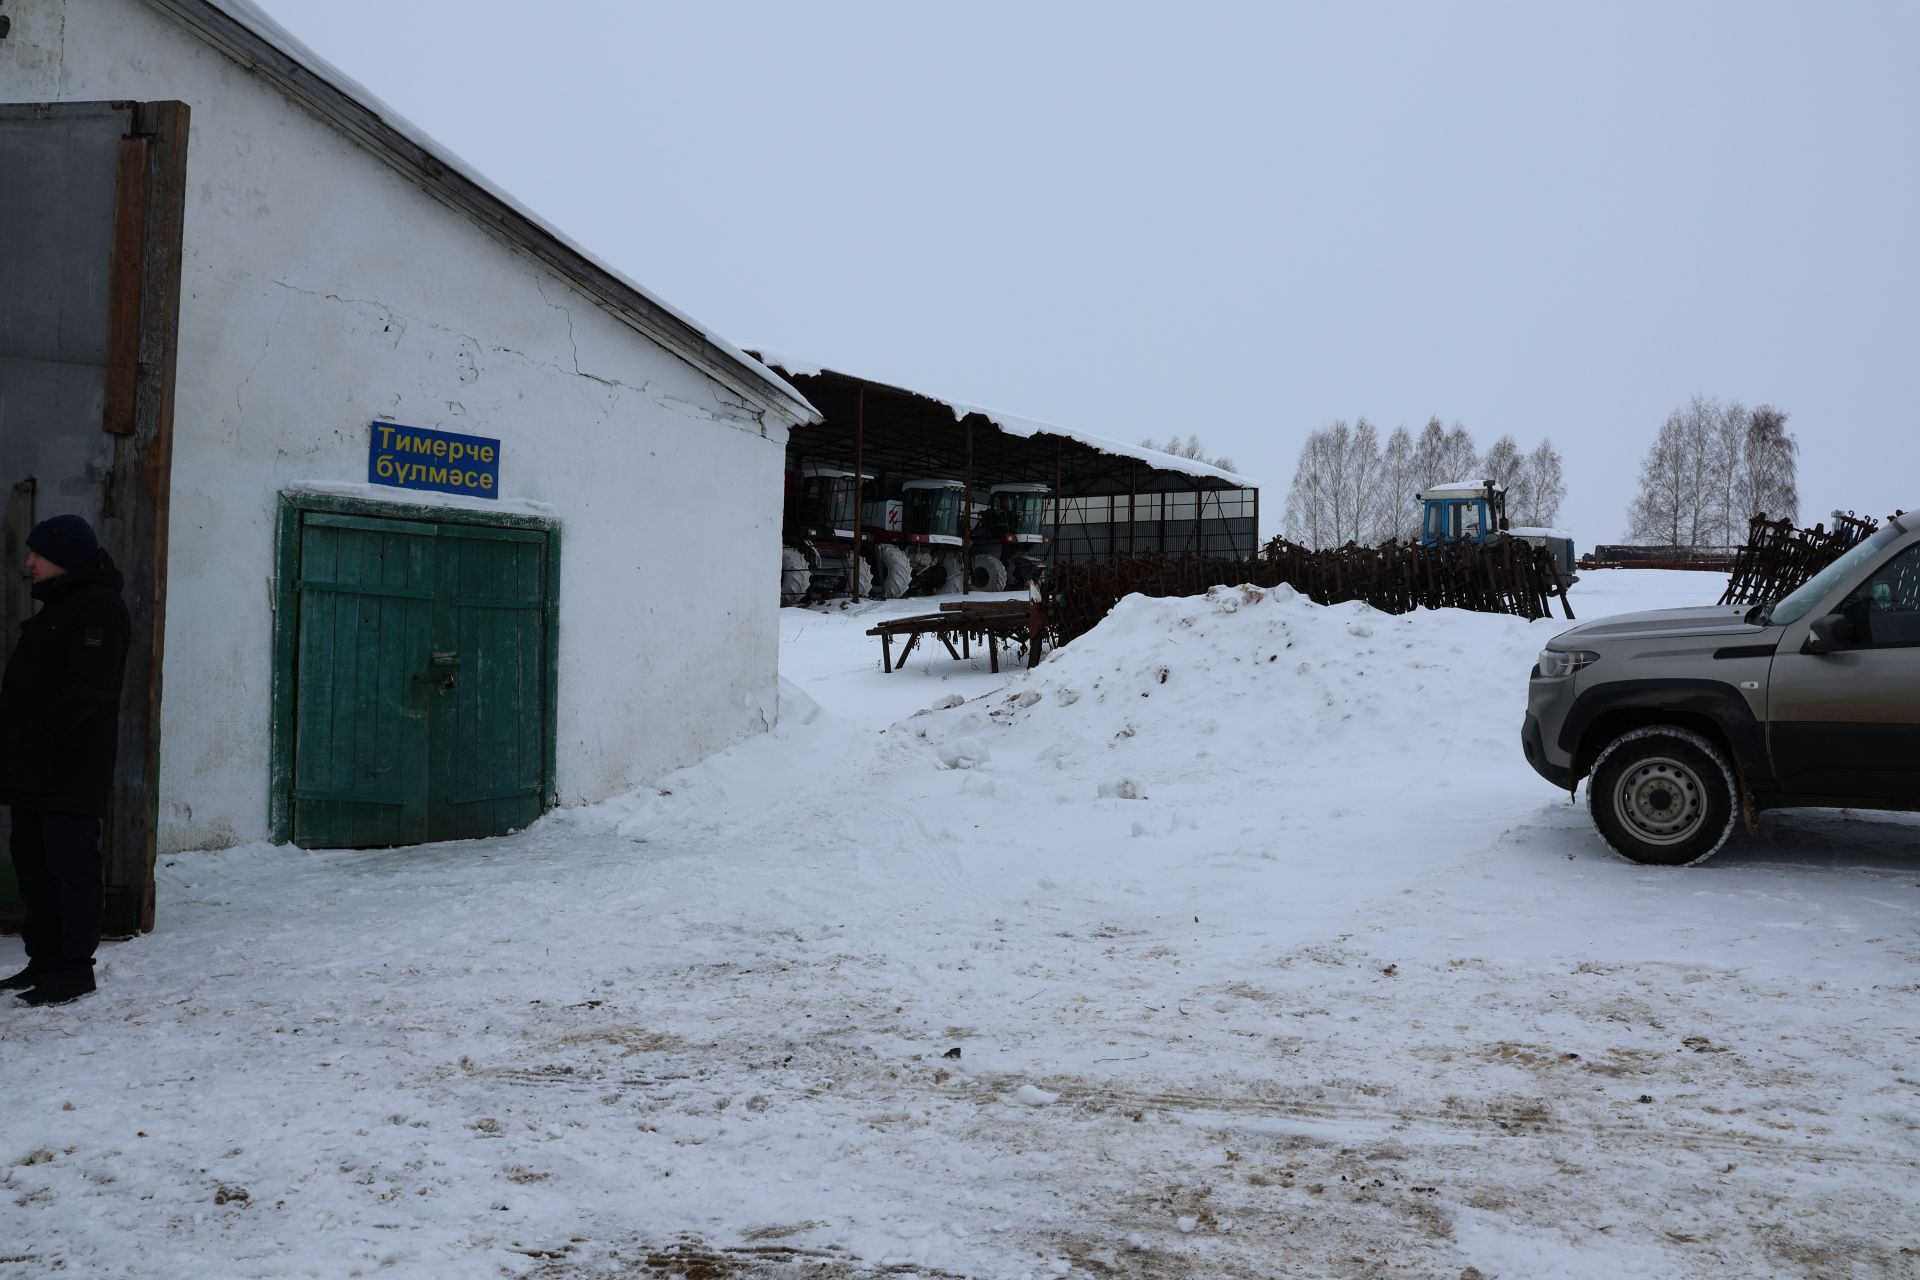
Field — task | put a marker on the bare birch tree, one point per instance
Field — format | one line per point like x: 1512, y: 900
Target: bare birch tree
x: 1430, y: 455
x: 1503, y: 463
x: 1461, y: 459
x: 1726, y: 434
x: 1336, y: 493
x: 1399, y: 514
x: 1538, y: 488
x: 1769, y: 472
x: 1363, y: 478
x: 1659, y: 513
x: 1692, y: 486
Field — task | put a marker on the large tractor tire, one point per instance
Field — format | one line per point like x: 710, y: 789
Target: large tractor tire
x: 1663, y: 796
x: 796, y: 576
x: 864, y: 572
x: 989, y: 572
x: 895, y: 572
x: 956, y: 568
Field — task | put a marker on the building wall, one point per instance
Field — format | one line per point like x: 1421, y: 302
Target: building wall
x: 322, y: 290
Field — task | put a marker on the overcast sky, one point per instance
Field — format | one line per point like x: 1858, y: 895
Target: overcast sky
x: 1241, y: 220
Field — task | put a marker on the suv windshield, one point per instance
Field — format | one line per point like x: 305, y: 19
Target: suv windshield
x: 1795, y: 606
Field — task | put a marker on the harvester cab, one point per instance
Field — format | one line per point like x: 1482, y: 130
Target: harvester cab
x: 825, y: 502
x: 1010, y: 538
x: 916, y: 537
x: 930, y: 514
x: 817, y: 556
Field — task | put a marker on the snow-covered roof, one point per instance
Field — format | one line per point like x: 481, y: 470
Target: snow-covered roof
x: 1015, y: 425
x: 1456, y: 489
x: 246, y: 33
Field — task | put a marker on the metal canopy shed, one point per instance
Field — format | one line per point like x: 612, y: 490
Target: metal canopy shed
x: 1108, y: 497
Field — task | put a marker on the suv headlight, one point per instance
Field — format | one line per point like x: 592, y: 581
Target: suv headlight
x: 1564, y: 662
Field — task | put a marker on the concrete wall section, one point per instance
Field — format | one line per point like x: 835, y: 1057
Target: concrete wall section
x: 323, y: 290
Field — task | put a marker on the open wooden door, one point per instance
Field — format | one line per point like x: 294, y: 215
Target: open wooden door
x: 92, y: 196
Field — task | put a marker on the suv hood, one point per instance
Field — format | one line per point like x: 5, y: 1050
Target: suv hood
x: 1658, y: 624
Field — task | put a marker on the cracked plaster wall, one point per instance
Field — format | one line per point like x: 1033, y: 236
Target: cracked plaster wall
x: 322, y: 290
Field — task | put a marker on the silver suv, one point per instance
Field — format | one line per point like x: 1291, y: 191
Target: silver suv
x: 1689, y: 720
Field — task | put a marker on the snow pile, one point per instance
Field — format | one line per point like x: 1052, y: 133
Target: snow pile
x: 1255, y: 681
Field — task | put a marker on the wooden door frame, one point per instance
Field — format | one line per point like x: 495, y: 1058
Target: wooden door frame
x: 143, y: 333
x: 294, y: 503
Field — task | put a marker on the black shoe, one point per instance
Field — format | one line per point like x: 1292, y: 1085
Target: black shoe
x: 27, y: 977
x: 58, y: 990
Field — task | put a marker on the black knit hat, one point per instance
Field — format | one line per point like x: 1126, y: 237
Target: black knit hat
x: 67, y: 541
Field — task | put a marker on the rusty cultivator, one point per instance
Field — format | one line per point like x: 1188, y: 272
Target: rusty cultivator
x: 1778, y: 557
x: 1505, y: 575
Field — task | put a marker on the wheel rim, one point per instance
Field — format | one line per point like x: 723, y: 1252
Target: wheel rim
x: 1661, y: 801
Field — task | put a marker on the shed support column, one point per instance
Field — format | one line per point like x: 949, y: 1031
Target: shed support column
x: 1256, y: 521
x: 1133, y: 500
x: 966, y: 520
x: 1053, y: 554
x: 859, y: 440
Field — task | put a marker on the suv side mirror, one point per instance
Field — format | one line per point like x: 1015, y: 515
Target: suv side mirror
x: 1825, y: 635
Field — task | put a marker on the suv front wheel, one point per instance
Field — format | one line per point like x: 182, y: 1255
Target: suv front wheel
x: 1663, y: 796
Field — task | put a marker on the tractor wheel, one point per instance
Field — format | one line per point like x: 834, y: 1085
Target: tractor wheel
x: 989, y: 572
x: 796, y: 577
x: 864, y: 572
x: 1027, y: 569
x: 895, y: 572
x: 956, y: 568
x: 1663, y: 796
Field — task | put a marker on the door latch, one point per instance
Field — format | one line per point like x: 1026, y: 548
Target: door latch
x: 448, y: 674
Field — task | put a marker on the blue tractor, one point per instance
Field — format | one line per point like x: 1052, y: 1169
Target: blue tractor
x: 1462, y: 511
x: 1475, y: 513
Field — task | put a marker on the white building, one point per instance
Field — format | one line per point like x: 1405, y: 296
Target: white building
x: 210, y: 307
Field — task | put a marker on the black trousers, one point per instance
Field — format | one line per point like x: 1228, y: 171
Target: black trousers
x: 56, y: 858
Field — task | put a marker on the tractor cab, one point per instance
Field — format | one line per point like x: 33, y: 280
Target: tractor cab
x: 1463, y: 512
x: 824, y: 502
x: 930, y: 511
x: 1016, y: 514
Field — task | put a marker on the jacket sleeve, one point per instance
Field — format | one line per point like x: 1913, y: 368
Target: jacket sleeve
x: 91, y: 665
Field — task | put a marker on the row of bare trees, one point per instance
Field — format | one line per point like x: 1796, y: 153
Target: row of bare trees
x: 1190, y: 448
x: 1349, y: 487
x: 1713, y: 467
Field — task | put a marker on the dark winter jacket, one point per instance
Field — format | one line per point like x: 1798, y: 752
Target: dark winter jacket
x: 60, y: 694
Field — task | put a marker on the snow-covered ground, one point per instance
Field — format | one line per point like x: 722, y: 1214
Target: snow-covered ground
x: 1237, y: 939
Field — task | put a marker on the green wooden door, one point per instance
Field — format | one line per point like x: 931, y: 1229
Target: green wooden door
x: 489, y: 623
x: 419, y: 681
x: 361, y: 704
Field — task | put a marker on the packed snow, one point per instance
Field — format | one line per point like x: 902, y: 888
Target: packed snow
x: 1235, y: 939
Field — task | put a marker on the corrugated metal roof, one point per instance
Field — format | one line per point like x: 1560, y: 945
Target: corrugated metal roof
x: 1014, y: 425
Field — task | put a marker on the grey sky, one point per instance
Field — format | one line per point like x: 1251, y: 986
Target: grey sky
x: 1240, y: 220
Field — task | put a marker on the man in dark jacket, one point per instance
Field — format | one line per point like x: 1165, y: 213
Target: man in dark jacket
x: 59, y: 723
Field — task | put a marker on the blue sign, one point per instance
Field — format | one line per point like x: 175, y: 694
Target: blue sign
x: 416, y: 458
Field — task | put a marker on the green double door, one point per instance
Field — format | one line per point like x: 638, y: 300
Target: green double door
x: 420, y: 681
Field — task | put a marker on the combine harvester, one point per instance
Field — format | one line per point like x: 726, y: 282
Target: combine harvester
x: 909, y: 542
